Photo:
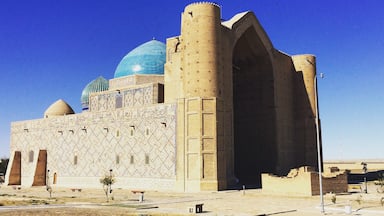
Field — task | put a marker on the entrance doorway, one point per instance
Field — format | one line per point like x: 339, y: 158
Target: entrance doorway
x: 254, y: 113
x: 41, y: 169
x: 15, y: 174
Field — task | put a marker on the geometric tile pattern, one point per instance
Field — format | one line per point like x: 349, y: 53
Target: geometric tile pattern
x: 136, y: 142
x: 131, y: 97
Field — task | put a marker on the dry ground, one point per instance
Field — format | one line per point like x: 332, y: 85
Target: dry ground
x: 36, y: 201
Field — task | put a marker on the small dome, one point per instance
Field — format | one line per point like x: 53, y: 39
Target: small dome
x: 59, y: 108
x: 98, y: 85
x: 148, y: 58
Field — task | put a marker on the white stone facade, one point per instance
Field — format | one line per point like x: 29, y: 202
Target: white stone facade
x: 138, y: 144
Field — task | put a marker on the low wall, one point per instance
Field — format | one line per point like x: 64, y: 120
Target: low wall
x: 303, y: 182
x: 334, y: 184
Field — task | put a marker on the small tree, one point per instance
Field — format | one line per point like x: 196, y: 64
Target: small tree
x: 107, y: 181
x: 49, y: 189
x: 48, y: 184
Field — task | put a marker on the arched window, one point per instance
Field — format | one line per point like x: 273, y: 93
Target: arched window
x: 117, y: 159
x: 54, y: 178
x: 132, y: 160
x: 119, y: 101
x: 31, y: 153
x: 146, y: 159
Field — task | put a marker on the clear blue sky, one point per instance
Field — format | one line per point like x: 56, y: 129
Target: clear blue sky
x: 52, y: 49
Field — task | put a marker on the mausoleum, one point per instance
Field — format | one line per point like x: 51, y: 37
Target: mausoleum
x: 213, y: 107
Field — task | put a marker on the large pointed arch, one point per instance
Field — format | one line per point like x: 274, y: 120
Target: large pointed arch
x: 254, y: 116
x: 242, y: 22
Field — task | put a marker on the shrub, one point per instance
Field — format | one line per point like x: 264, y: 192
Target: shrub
x: 333, y: 198
x: 359, y: 199
x: 107, y: 182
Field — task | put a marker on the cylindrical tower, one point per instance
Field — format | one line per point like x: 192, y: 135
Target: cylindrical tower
x: 306, y: 119
x: 200, y: 34
x: 306, y: 64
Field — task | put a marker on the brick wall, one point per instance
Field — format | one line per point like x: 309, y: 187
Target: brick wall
x: 303, y: 182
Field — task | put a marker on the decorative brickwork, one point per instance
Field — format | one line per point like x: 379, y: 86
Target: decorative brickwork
x: 95, y: 138
x: 136, y: 96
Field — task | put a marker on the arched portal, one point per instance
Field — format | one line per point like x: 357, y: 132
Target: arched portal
x: 41, y: 169
x: 15, y: 172
x: 54, y: 178
x: 254, y: 109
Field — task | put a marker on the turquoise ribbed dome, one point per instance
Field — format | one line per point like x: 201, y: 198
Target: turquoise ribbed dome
x: 148, y: 58
x: 97, y: 85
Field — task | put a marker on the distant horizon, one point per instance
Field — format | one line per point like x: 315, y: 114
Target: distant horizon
x: 356, y: 160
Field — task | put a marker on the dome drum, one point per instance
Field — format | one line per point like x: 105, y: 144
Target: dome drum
x: 97, y: 85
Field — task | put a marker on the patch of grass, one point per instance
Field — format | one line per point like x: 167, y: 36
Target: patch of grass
x: 7, y: 203
x: 133, y: 206
x: 38, y: 202
x: 359, y: 199
x: 7, y: 194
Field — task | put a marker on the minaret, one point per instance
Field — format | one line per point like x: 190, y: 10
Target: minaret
x: 200, y: 34
x: 306, y: 65
x: 194, y: 77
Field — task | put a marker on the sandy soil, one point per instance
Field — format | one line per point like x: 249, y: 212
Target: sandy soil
x: 63, y: 201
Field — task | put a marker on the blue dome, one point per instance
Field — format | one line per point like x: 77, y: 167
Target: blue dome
x: 148, y: 58
x: 97, y: 85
